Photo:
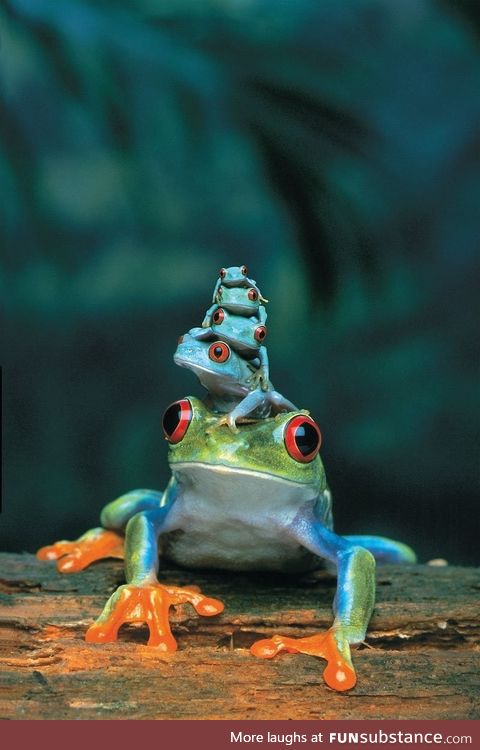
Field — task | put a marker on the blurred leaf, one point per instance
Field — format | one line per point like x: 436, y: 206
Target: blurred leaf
x: 332, y: 147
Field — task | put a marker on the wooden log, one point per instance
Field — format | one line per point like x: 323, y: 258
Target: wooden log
x: 420, y: 661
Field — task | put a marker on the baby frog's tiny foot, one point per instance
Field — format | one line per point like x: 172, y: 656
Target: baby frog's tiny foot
x: 339, y: 673
x: 71, y: 557
x: 149, y: 603
x: 220, y: 422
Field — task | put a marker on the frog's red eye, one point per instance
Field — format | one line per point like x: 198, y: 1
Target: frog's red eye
x: 222, y: 273
x: 244, y: 270
x: 302, y: 438
x: 220, y: 291
x: 219, y: 351
x: 218, y: 316
x: 260, y: 333
x: 176, y: 420
x: 252, y: 295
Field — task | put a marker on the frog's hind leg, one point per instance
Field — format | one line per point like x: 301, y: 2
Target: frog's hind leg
x: 117, y: 514
x: 99, y: 543
x: 353, y: 604
x: 385, y: 550
x: 143, y: 598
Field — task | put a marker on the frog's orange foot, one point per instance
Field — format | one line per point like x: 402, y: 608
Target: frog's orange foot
x: 73, y: 556
x: 149, y: 603
x: 339, y: 673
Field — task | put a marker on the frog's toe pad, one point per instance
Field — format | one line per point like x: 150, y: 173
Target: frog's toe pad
x: 52, y: 551
x: 203, y: 605
x: 339, y: 673
x: 74, y: 556
x: 340, y: 676
x: 267, y: 648
x: 209, y: 607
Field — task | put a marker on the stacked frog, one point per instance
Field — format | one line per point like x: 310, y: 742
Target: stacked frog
x: 249, y: 498
x: 228, y: 354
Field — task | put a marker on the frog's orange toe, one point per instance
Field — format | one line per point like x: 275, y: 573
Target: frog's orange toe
x: 339, y: 673
x: 52, y: 551
x: 203, y: 605
x: 267, y: 648
x: 72, y: 563
x: 97, y: 633
x: 209, y: 607
x: 74, y: 556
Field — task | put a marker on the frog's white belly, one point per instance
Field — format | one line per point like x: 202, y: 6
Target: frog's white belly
x: 235, y: 520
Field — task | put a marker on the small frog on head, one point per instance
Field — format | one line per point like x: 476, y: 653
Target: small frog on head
x: 237, y: 317
x: 238, y: 294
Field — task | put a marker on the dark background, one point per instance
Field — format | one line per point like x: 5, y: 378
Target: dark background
x: 333, y: 147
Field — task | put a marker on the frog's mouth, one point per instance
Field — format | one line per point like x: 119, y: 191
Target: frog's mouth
x: 195, y: 366
x: 213, y: 381
x: 243, y: 486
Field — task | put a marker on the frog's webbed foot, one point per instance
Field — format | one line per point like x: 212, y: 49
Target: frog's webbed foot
x: 258, y: 379
x: 149, y: 603
x: 227, y: 419
x: 95, y: 544
x: 332, y: 645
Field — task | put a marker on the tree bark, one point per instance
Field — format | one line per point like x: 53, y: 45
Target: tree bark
x: 420, y: 660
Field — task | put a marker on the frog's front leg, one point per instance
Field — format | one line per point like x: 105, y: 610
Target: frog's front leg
x: 353, y: 603
x: 256, y: 401
x: 99, y: 543
x: 207, y: 321
x: 143, y: 598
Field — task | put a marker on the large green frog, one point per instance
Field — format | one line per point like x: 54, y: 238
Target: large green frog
x: 253, y: 500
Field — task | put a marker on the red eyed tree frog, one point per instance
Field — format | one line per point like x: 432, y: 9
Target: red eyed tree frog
x: 229, y: 380
x: 282, y: 523
x: 235, y: 277
x: 238, y: 294
x: 242, y: 334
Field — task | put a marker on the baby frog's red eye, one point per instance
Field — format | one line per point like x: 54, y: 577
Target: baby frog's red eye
x: 219, y: 351
x: 176, y: 420
x: 260, y: 333
x: 220, y: 291
x: 302, y: 438
x: 222, y: 273
x: 244, y: 270
x: 218, y: 316
x: 252, y: 295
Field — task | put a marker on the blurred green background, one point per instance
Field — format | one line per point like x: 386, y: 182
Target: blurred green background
x: 333, y: 148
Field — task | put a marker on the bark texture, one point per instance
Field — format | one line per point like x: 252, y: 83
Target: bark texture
x: 420, y: 661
